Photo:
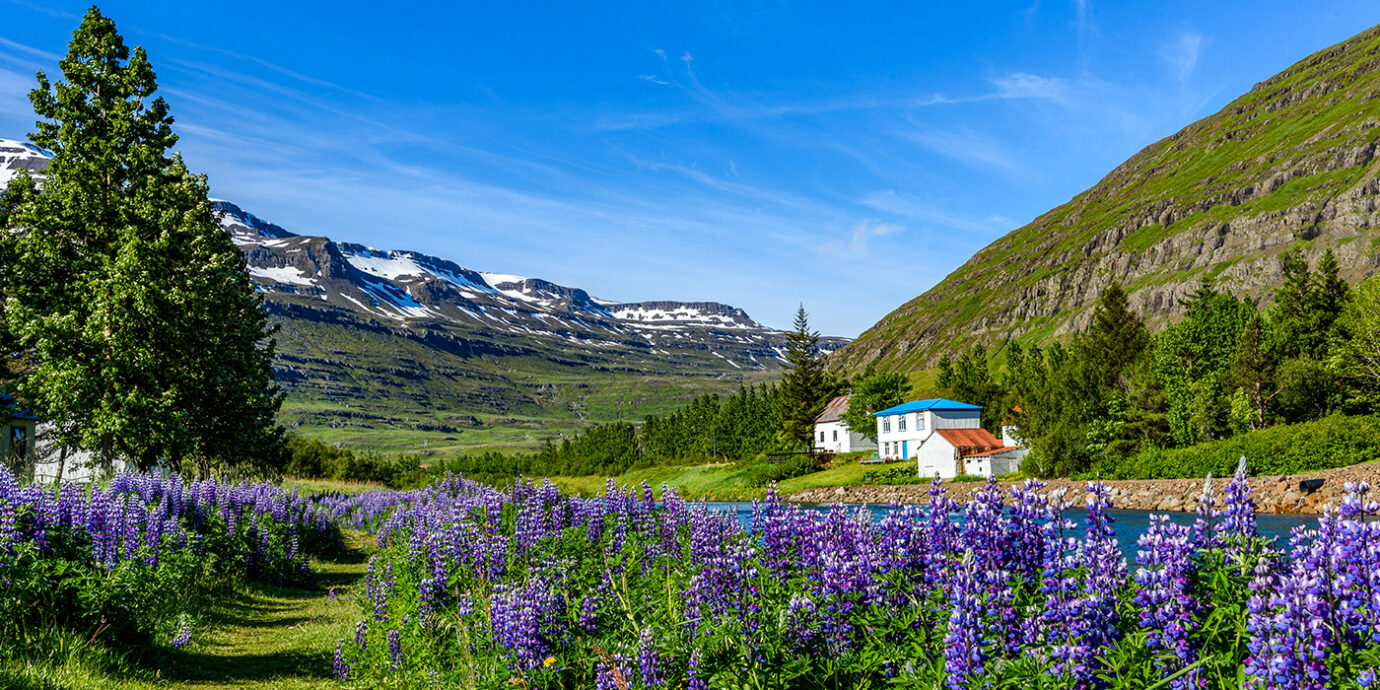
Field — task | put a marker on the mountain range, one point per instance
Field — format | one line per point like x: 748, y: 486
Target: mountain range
x: 396, y: 348
x: 1290, y: 165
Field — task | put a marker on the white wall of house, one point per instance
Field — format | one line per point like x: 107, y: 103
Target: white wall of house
x: 80, y: 465
x: 937, y: 456
x: 902, y: 436
x: 994, y: 464
x: 835, y: 437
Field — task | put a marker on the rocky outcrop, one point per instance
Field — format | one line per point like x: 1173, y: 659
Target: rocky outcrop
x: 1273, y: 494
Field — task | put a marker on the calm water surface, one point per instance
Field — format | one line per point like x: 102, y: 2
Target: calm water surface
x: 1129, y: 524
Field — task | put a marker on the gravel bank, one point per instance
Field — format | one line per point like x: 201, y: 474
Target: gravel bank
x: 1272, y: 494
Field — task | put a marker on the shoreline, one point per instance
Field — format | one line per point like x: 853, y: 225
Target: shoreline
x: 1273, y: 494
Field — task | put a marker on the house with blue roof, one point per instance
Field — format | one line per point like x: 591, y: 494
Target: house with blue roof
x: 945, y: 438
x: 17, y: 441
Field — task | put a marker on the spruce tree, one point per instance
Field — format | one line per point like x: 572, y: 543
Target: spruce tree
x: 805, y: 386
x: 1117, y: 335
x: 141, y: 330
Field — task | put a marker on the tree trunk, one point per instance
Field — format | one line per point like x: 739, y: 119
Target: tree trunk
x: 62, y: 465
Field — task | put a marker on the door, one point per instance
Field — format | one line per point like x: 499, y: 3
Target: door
x: 904, y: 454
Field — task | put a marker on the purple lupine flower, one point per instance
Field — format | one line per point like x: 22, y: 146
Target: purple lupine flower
x: 649, y: 660
x: 1167, y: 602
x: 1104, y: 569
x: 394, y: 650
x: 694, y: 679
x: 184, y: 632
x: 342, y: 668
x: 526, y: 621
x: 964, y: 644
x: 1238, y: 524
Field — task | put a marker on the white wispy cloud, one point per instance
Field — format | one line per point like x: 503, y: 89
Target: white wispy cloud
x: 1182, y: 54
x: 1018, y: 85
x: 868, y: 229
x: 971, y: 148
x: 922, y: 212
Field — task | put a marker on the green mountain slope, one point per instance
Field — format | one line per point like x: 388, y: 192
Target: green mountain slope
x: 1292, y: 163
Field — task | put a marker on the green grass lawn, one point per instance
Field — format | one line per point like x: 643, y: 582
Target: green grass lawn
x: 719, y: 481
x: 256, y: 636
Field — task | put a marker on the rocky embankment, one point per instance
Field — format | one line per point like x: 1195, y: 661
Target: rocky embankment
x: 1272, y: 494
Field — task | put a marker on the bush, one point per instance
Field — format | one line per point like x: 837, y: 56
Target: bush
x: 1330, y: 442
x: 906, y: 474
x: 763, y: 473
x: 312, y: 459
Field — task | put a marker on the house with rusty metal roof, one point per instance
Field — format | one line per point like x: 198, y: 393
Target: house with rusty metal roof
x: 945, y: 438
x: 832, y: 434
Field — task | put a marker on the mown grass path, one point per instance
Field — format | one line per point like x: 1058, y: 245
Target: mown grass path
x: 275, y: 637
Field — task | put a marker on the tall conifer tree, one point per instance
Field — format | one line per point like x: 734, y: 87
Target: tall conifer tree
x: 805, y: 386
x: 133, y: 310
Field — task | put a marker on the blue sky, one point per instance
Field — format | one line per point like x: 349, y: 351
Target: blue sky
x: 842, y: 155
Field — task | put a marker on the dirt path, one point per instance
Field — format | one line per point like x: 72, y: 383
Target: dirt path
x: 275, y: 637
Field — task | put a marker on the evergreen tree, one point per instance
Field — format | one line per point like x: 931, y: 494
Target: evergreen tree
x: 805, y: 387
x: 1116, y: 337
x: 1307, y: 306
x: 141, y: 329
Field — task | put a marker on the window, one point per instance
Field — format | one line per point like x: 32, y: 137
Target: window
x: 920, y: 422
x: 19, y: 442
x: 821, y: 436
x: 886, y: 425
x: 901, y: 423
x: 836, y: 434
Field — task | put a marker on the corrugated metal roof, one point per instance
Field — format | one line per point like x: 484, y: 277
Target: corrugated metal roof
x: 970, y: 441
x: 834, y: 411
x: 929, y: 404
x: 12, y: 412
x: 986, y: 453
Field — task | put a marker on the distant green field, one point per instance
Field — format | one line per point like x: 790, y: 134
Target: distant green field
x: 718, y: 481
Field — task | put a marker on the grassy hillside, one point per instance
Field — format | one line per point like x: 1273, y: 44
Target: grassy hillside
x: 1291, y: 164
x: 373, y: 385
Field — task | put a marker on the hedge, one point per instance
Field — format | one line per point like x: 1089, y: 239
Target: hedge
x: 1330, y: 442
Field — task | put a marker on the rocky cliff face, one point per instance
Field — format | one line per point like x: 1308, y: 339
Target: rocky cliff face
x: 1290, y: 165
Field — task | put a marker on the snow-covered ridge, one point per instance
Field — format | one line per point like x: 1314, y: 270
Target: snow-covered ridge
x: 404, y: 285
x: 20, y: 155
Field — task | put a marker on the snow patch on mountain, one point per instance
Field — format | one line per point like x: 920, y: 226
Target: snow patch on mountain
x: 282, y: 274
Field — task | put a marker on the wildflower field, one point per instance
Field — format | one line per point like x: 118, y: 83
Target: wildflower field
x: 529, y: 587
x: 478, y: 588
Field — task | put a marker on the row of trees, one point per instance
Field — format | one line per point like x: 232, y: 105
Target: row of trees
x: 1226, y: 368
x: 756, y: 419
x: 128, y: 320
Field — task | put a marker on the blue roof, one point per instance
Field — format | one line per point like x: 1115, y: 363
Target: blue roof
x: 12, y: 412
x: 930, y: 404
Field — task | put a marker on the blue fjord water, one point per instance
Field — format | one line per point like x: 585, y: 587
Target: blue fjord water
x: 1129, y: 524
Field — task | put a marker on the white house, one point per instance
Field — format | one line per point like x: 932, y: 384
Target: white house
x: 832, y: 434
x: 945, y: 437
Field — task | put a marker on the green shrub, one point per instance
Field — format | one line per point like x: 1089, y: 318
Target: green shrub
x: 762, y: 474
x: 905, y: 474
x: 1330, y: 442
